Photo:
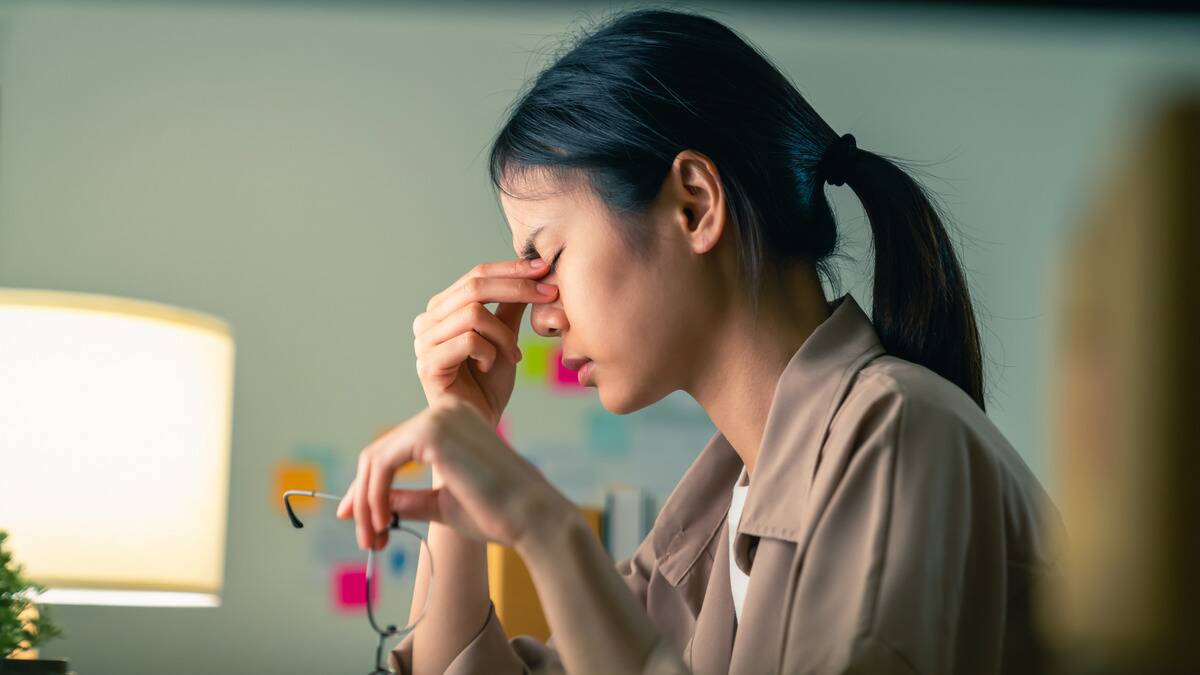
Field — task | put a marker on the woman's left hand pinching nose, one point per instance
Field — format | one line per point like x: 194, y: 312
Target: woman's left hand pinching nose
x: 488, y: 491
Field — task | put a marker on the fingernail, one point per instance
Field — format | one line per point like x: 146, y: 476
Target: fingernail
x: 537, y: 263
x: 545, y: 289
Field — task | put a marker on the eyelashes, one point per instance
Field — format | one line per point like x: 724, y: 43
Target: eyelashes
x: 554, y: 263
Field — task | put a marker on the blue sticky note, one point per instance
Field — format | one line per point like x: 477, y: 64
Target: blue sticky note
x: 324, y: 455
x: 606, y: 433
x: 397, y: 561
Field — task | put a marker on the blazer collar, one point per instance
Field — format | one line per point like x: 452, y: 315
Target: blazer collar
x: 808, y: 393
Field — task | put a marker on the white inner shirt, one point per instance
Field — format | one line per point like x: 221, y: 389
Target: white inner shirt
x: 738, y: 580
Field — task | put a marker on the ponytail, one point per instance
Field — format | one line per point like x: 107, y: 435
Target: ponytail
x: 922, y: 308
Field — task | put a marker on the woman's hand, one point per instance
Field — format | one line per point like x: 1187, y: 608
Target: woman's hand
x: 488, y: 492
x: 464, y: 349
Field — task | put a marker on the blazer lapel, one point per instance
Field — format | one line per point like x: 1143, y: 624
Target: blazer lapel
x: 758, y: 649
x: 712, y: 642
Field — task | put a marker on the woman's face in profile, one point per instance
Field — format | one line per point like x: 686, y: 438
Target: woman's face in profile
x: 628, y: 312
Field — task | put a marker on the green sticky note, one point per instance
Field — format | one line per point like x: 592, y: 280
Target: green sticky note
x: 535, y: 359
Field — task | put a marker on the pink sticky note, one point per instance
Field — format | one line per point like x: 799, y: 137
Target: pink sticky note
x: 350, y: 587
x: 502, y: 429
x: 562, y: 377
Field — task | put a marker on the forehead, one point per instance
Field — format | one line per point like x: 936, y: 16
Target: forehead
x: 533, y: 200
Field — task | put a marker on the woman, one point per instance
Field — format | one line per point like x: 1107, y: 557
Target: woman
x: 856, y: 510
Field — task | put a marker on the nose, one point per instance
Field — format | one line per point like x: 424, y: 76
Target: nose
x: 548, y: 319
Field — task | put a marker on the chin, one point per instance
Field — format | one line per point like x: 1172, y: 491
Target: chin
x: 624, y: 401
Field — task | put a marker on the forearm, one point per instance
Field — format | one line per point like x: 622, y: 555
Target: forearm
x: 598, y: 625
x: 458, y: 606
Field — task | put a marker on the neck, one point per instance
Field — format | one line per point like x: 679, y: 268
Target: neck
x: 749, y: 355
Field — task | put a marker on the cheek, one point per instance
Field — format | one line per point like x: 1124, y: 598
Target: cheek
x: 616, y: 310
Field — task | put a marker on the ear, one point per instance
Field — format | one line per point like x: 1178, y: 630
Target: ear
x: 696, y: 200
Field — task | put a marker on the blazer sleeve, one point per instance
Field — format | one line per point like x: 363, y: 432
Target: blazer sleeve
x: 906, y: 569
x: 492, y: 652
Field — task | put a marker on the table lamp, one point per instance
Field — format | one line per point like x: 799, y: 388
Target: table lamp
x: 115, y: 419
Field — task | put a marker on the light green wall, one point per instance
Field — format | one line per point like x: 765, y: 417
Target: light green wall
x: 313, y: 174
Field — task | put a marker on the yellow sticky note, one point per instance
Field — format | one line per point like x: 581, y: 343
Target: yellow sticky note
x: 296, y: 476
x: 410, y: 470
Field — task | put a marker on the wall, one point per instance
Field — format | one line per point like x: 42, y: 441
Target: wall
x: 313, y: 172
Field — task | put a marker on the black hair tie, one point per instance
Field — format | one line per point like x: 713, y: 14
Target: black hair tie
x: 837, y: 163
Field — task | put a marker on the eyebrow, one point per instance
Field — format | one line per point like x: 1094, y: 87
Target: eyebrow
x: 529, y: 252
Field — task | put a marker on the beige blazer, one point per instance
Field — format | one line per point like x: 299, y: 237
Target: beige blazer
x: 889, y: 528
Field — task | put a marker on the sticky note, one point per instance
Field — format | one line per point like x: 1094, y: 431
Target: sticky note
x: 502, y: 429
x: 536, y: 358
x: 398, y: 561
x: 606, y: 433
x: 326, y: 457
x: 290, y: 475
x: 410, y: 471
x: 562, y: 377
x: 349, y: 585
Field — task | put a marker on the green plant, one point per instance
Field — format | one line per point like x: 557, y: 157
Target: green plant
x: 15, y: 592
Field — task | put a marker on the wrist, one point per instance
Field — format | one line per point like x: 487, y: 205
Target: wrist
x: 549, y: 526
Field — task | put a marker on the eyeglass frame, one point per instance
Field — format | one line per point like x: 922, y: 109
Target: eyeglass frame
x: 391, y: 630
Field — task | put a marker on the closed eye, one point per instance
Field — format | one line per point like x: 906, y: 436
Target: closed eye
x: 554, y: 263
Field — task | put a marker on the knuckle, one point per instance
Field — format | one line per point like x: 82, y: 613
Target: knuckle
x: 475, y: 340
x: 478, y: 270
x: 478, y: 312
x: 474, y: 286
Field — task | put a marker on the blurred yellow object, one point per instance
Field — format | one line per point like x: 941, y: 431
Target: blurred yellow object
x: 512, y: 590
x: 1128, y: 415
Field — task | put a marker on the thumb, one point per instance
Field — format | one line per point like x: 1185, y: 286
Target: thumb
x: 510, y: 314
x: 416, y: 504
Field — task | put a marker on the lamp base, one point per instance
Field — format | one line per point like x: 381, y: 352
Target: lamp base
x: 34, y: 666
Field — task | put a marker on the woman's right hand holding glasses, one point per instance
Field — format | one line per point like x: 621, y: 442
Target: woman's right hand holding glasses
x: 465, y: 349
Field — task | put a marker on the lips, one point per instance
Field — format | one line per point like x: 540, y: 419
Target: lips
x: 584, y: 368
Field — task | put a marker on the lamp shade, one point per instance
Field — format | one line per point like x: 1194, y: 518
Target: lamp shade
x: 115, y: 418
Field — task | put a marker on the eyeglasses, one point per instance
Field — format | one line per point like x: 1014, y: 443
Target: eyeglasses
x: 390, y: 630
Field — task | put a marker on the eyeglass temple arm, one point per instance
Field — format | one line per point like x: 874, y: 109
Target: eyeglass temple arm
x: 287, y: 503
x: 370, y: 576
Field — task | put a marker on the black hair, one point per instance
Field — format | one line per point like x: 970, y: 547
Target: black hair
x: 626, y: 97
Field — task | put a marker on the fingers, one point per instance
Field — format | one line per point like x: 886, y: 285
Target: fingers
x: 362, y: 511
x: 510, y: 313
x: 416, y: 504
x: 440, y: 366
x: 471, y: 317
x: 345, y: 508
x: 518, y: 268
x: 488, y: 289
x: 384, y: 465
x: 368, y: 496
